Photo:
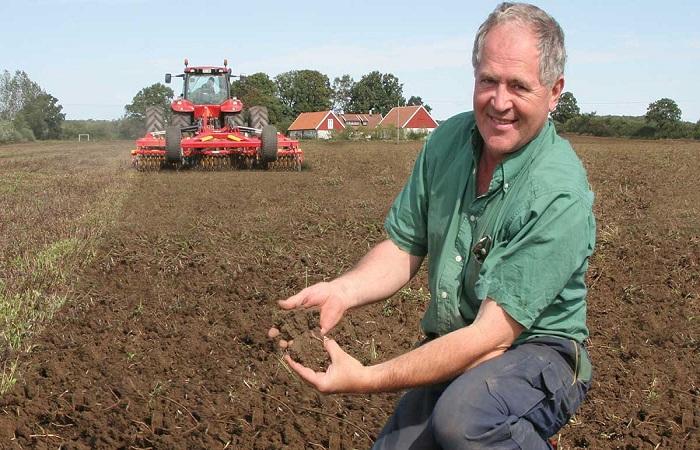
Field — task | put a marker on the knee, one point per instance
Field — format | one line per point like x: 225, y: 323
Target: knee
x: 467, y: 414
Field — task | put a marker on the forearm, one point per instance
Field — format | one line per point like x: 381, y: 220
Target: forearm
x: 448, y: 356
x: 436, y: 361
x: 379, y: 274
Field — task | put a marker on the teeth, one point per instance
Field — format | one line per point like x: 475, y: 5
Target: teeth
x: 502, y: 122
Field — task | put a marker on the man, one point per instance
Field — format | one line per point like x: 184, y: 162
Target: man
x: 502, y: 207
x: 208, y: 90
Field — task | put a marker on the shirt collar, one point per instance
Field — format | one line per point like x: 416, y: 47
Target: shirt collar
x: 508, y: 169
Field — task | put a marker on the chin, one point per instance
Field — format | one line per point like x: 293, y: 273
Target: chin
x: 500, y: 145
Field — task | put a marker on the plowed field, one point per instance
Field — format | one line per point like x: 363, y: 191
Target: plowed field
x: 135, y: 307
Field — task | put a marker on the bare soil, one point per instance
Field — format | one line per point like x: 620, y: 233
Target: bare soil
x: 162, y: 341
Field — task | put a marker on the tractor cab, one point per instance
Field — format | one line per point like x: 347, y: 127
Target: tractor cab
x: 206, y: 89
x: 205, y: 85
x: 206, y: 94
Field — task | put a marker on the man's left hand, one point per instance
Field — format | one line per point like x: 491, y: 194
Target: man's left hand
x: 344, y: 373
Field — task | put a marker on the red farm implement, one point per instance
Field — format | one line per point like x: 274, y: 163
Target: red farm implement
x: 208, y: 130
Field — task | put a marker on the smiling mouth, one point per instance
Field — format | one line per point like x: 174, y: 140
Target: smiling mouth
x: 504, y: 122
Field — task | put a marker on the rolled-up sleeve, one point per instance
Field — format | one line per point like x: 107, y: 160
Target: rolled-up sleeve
x: 551, y: 238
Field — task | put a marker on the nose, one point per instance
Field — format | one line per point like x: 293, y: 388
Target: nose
x: 501, y: 100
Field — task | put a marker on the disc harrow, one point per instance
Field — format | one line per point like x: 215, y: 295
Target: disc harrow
x: 291, y: 163
x: 214, y: 163
x: 148, y: 163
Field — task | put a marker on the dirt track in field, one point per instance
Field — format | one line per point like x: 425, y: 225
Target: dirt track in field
x: 163, y: 343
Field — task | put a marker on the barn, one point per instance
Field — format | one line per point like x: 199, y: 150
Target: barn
x: 414, y: 119
x: 318, y: 124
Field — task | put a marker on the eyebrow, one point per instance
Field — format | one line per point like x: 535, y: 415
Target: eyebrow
x: 515, y: 80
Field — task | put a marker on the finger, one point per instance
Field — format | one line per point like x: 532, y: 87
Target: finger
x: 333, y: 349
x: 295, y: 301
x: 329, y: 319
x: 326, y: 324
x: 305, y: 373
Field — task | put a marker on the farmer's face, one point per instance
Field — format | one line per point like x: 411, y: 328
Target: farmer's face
x: 510, y: 104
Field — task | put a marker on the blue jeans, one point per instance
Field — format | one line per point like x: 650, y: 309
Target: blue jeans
x: 514, y: 401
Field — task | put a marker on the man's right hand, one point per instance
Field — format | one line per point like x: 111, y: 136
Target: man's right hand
x: 330, y: 298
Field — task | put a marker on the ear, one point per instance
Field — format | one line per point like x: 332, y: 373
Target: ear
x: 557, y: 89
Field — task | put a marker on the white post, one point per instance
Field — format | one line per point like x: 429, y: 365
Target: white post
x: 398, y: 123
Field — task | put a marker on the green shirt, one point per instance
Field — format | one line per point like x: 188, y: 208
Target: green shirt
x: 537, y: 213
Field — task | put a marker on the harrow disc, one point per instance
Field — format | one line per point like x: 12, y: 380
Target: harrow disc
x: 146, y: 163
x: 286, y: 164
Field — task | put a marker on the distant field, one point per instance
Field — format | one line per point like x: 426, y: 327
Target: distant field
x: 134, y: 306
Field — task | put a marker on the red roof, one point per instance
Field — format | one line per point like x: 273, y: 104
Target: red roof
x: 312, y: 120
x: 368, y: 120
x: 402, y: 115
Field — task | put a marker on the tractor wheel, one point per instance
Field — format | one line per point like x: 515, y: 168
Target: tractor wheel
x: 234, y: 120
x: 268, y: 144
x: 173, y: 151
x: 181, y: 120
x: 154, y: 119
x: 258, y: 116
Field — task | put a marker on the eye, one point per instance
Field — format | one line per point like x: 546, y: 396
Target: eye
x: 519, y: 87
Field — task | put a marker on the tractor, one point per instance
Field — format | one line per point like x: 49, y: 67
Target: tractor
x: 208, y: 130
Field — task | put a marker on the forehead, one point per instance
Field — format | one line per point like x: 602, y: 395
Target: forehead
x: 511, y: 48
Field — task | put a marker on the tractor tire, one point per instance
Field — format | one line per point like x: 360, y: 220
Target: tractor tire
x: 268, y: 144
x: 234, y: 120
x: 173, y: 150
x: 258, y: 117
x: 181, y: 120
x: 154, y: 119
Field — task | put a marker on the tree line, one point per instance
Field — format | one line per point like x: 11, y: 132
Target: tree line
x: 661, y: 121
x: 28, y: 112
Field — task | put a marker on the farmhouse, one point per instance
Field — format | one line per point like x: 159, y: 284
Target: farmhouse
x: 410, y: 119
x: 318, y: 124
x: 361, y: 120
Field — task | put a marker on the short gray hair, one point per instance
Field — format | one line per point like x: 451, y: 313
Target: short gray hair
x: 549, y: 34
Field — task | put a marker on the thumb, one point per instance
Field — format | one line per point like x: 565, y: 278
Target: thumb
x: 333, y: 349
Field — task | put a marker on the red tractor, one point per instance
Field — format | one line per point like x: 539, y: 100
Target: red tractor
x: 208, y: 130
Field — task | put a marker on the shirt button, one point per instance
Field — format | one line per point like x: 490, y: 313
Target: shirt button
x: 443, y: 294
x: 458, y: 258
x: 472, y: 218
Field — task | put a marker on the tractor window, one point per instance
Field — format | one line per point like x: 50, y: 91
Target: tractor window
x: 207, y: 89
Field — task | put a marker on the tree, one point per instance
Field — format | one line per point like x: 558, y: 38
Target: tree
x: 376, y: 91
x: 416, y: 101
x: 25, y: 107
x: 342, y: 89
x: 15, y: 92
x: 155, y: 95
x: 566, y: 109
x: 259, y: 90
x: 303, y: 91
x: 43, y: 116
x: 664, y: 112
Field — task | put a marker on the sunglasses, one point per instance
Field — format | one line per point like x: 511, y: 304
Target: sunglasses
x: 481, y: 248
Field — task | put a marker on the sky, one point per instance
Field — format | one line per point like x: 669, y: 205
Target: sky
x: 95, y: 55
